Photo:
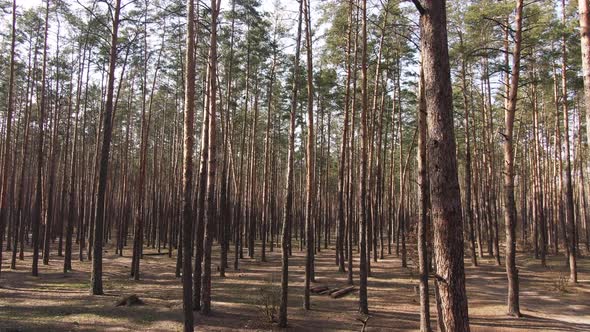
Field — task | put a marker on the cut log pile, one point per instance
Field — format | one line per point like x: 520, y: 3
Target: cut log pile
x: 335, y: 293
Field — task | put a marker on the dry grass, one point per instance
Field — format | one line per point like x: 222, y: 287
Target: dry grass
x: 58, y: 302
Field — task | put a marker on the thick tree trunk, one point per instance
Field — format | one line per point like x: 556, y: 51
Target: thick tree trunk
x: 444, y: 183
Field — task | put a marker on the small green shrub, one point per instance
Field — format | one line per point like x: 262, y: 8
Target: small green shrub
x: 268, y: 300
x: 561, y: 284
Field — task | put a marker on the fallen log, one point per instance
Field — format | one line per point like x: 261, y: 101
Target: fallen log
x: 333, y: 290
x: 318, y: 289
x: 130, y: 300
x: 342, y: 292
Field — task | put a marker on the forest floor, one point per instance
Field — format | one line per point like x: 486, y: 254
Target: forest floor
x: 60, y: 302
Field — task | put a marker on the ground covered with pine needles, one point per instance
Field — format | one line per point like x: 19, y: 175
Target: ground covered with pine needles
x: 57, y: 301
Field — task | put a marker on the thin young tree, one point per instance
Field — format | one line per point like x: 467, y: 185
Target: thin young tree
x: 424, y: 203
x: 38, y: 207
x: 509, y: 201
x: 310, y: 156
x: 567, y: 176
x: 363, y: 266
x: 73, y: 170
x: 211, y: 205
x: 343, y: 149
x: 52, y: 159
x: 289, y: 183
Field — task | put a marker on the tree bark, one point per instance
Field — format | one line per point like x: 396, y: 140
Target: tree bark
x: 363, y: 301
x: 509, y: 201
x: 211, y: 204
x: 424, y: 203
x: 6, y: 162
x: 310, y: 156
x: 568, y: 187
x: 96, y: 279
x: 38, y: 208
x: 187, y: 172
x: 289, y: 188
x: 444, y: 183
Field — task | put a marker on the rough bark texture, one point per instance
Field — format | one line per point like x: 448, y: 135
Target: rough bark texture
x: 444, y: 183
x: 509, y: 202
x: 187, y: 172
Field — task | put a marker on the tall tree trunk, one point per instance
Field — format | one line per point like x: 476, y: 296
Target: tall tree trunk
x: 187, y: 172
x: 444, y: 183
x: 267, y: 177
x: 289, y: 183
x: 73, y: 174
x: 468, y: 205
x: 200, y: 200
x: 568, y: 187
x: 351, y: 192
x: 38, y: 208
x: 20, y: 216
x: 509, y: 201
x: 53, y: 156
x: 310, y: 156
x: 226, y: 175
x: 538, y: 183
x: 6, y: 162
x: 96, y: 279
x: 584, y: 12
x: 363, y: 301
x: 424, y: 203
x: 211, y: 205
